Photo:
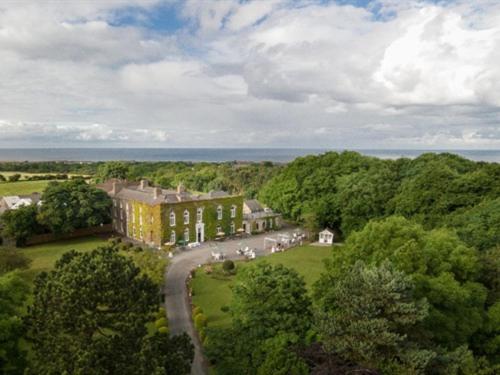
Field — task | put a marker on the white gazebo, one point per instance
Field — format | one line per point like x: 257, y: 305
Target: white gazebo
x: 326, y: 236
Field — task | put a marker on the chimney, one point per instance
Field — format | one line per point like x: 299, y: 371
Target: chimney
x: 144, y: 184
x: 156, y: 192
x: 180, y: 188
x: 113, y: 189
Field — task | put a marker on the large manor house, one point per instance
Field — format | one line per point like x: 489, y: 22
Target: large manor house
x: 159, y: 217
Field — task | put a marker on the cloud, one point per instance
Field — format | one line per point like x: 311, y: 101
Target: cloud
x: 251, y: 74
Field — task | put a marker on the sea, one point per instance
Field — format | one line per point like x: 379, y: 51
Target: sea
x: 279, y: 155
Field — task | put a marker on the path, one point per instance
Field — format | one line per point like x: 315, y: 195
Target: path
x: 177, y: 304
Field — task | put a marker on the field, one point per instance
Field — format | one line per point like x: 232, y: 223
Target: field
x: 211, y: 292
x: 44, y: 256
x: 22, y: 187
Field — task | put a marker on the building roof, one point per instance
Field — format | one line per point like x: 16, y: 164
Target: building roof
x: 254, y: 205
x: 12, y: 202
x: 142, y: 192
x: 327, y: 230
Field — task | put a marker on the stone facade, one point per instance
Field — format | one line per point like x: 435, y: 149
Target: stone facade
x: 160, y: 217
x: 258, y: 219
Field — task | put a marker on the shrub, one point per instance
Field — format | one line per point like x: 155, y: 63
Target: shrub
x: 228, y: 266
x: 2, y: 178
x: 197, y: 310
x: 200, y: 322
x: 163, y: 330
x: 162, y: 322
x: 15, y: 177
x: 126, y: 246
x: 11, y: 259
x: 225, y: 309
x: 161, y: 313
x: 136, y: 249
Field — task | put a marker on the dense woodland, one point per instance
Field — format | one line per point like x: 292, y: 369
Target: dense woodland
x: 415, y: 289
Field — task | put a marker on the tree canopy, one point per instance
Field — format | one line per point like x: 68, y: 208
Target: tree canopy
x: 89, y: 316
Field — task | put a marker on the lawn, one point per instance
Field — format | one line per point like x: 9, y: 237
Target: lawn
x: 211, y: 292
x: 22, y: 187
x: 44, y: 256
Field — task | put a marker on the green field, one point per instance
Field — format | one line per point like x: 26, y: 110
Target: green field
x: 44, y: 256
x: 22, y: 187
x: 213, y: 291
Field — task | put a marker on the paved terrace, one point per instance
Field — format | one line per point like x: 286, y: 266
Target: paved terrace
x: 177, y: 303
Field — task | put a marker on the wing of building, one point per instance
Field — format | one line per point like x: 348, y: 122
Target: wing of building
x: 13, y: 202
x: 257, y: 218
x: 158, y: 216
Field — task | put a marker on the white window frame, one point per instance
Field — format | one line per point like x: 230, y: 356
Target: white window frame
x: 186, y: 217
x: 218, y: 229
x: 172, y: 237
x: 233, y: 228
x: 186, y: 235
x: 199, y: 215
x: 233, y: 211
x: 172, y: 218
x: 219, y: 212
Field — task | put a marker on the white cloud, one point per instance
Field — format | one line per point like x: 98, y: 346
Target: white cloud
x: 258, y: 73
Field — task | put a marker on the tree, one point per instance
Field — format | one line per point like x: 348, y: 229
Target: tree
x: 478, y: 226
x: 443, y: 268
x: 89, y: 316
x: 366, y: 317
x: 13, y: 293
x: 2, y: 178
x: 113, y: 169
x: 270, y: 309
x: 21, y: 223
x: 74, y: 204
x: 14, y: 177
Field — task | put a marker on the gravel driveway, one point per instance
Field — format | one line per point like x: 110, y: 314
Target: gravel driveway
x: 177, y: 304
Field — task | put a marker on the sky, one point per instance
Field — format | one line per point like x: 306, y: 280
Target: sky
x: 381, y: 74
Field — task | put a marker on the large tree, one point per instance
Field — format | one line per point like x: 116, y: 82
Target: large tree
x: 113, y: 169
x: 366, y: 316
x: 271, y: 311
x: 20, y: 224
x: 444, y: 270
x: 89, y: 316
x: 74, y: 204
x: 13, y: 293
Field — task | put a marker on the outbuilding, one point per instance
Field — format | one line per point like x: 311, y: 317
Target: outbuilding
x: 326, y: 236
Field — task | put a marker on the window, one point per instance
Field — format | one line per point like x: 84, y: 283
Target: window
x: 271, y: 224
x: 172, y: 237
x: 257, y: 225
x: 233, y: 228
x: 186, y: 217
x: 199, y: 215
x: 263, y: 225
x: 219, y: 213
x: 233, y: 211
x: 172, y: 218
x: 219, y: 229
x: 186, y: 235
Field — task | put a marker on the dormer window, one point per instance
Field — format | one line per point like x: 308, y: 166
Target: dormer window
x: 172, y: 218
x: 219, y: 213
x: 233, y: 211
x: 186, y: 217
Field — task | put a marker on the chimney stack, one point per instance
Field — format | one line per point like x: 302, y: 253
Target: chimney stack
x: 180, y: 188
x: 144, y: 184
x: 113, y: 189
x: 156, y: 192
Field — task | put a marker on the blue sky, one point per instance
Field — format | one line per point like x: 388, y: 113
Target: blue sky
x: 273, y: 73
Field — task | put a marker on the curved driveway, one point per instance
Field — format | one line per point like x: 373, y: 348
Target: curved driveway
x: 176, y: 300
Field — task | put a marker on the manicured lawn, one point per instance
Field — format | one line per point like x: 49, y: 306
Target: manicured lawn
x: 44, y: 256
x: 22, y: 187
x: 211, y: 292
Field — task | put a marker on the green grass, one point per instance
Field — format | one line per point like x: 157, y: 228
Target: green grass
x: 44, y: 256
x: 211, y: 292
x: 22, y: 187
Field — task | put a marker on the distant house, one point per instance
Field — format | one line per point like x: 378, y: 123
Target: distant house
x: 326, y: 236
x: 257, y: 218
x: 13, y: 202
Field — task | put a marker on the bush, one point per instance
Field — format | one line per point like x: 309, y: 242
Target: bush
x: 15, y: 177
x: 163, y: 330
x: 162, y: 322
x: 2, y: 178
x: 126, y: 246
x: 11, y: 259
x: 161, y: 313
x: 225, y: 309
x: 197, y: 310
x: 136, y: 249
x: 200, y: 322
x: 228, y: 266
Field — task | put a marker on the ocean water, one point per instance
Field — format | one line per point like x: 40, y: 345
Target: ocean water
x: 210, y: 154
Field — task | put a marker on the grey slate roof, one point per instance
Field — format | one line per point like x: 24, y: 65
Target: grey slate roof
x: 254, y: 205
